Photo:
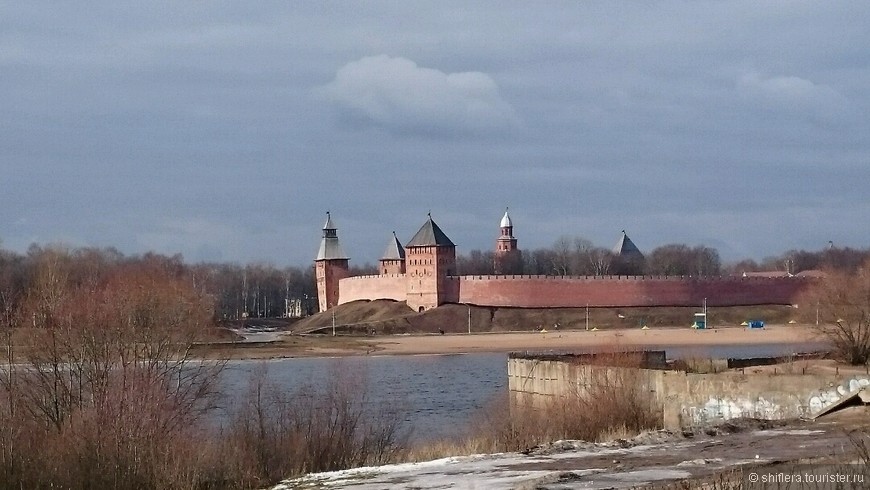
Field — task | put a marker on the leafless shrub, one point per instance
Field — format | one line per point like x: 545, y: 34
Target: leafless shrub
x: 336, y: 426
x: 860, y: 440
x: 107, y: 395
x: 611, y: 403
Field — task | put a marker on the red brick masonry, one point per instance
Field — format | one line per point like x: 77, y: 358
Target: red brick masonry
x: 554, y: 291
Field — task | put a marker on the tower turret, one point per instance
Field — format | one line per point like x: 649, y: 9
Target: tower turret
x: 508, y: 258
x: 330, y: 266
x: 393, y: 261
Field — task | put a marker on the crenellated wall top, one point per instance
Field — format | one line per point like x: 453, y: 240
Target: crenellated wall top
x: 374, y: 276
x: 631, y: 278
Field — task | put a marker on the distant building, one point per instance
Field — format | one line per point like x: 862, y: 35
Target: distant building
x: 508, y: 258
x: 293, y: 308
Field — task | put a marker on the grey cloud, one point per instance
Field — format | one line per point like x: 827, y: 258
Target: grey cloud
x: 398, y: 95
x: 663, y: 118
x: 794, y: 94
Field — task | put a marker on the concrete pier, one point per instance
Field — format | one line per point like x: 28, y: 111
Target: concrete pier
x: 685, y: 399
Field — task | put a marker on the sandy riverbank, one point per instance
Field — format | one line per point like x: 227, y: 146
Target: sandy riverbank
x: 574, y: 340
x: 610, y: 339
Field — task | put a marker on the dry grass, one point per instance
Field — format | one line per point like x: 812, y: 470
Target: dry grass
x: 333, y: 427
x: 615, y: 405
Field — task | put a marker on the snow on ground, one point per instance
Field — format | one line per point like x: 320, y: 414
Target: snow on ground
x: 478, y: 471
x: 256, y: 333
x: 489, y: 471
x: 652, y: 457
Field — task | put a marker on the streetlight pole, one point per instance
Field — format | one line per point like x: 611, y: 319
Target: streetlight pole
x: 706, y: 323
x: 469, y: 319
x: 587, y: 316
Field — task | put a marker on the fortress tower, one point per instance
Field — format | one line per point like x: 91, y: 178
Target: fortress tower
x: 330, y: 266
x: 508, y: 258
x: 627, y: 258
x: 430, y: 259
x: 393, y: 261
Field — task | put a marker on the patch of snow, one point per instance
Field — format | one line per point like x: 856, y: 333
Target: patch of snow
x: 545, y: 468
x: 788, y: 432
x: 700, y: 462
x: 647, y: 476
x: 480, y: 471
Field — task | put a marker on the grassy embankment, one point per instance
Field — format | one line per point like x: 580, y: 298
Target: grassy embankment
x: 391, y: 317
x: 370, y: 327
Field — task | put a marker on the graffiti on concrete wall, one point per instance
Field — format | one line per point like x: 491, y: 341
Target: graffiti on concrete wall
x: 824, y: 398
x: 719, y: 409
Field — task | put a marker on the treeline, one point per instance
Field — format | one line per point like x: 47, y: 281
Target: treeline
x: 231, y: 290
x: 574, y: 256
x: 261, y: 290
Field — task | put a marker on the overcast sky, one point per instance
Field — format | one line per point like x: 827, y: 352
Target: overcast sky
x: 225, y: 130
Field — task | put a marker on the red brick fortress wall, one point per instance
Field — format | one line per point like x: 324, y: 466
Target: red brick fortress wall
x: 550, y: 291
x: 389, y: 286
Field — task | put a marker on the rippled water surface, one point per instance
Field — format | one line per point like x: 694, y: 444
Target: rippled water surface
x: 441, y: 394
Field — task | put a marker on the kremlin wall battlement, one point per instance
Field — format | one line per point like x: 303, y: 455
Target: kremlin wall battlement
x: 523, y: 291
x: 426, y: 279
x: 625, y: 291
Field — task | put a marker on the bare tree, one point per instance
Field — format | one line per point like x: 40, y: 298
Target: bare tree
x: 681, y: 260
x: 562, y: 256
x: 831, y: 258
x: 600, y: 259
x: 843, y: 301
x: 477, y: 262
x: 108, y: 365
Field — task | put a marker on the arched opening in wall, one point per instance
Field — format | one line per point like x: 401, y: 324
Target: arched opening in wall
x: 420, y: 310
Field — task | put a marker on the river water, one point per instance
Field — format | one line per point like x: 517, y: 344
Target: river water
x: 440, y: 395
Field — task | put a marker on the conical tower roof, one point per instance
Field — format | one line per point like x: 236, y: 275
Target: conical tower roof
x: 506, y: 220
x: 329, y: 224
x: 430, y: 234
x: 394, y: 250
x: 330, y: 248
x: 626, y: 247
